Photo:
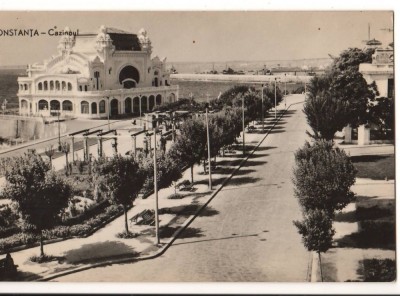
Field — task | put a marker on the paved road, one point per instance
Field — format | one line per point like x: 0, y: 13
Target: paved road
x: 246, y: 234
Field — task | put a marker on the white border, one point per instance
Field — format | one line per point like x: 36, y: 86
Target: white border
x: 205, y: 288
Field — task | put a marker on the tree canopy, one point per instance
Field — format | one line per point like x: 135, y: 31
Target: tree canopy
x: 39, y: 193
x: 323, y: 176
x: 121, y: 178
x: 341, y: 96
x: 190, y: 145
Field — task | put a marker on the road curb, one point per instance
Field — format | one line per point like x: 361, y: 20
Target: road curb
x: 176, y: 234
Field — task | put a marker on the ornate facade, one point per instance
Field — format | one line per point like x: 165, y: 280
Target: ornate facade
x: 96, y: 75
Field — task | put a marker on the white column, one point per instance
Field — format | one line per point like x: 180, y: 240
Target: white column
x: 347, y: 133
x: 363, y: 135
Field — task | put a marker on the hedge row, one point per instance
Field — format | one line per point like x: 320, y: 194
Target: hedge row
x: 61, y: 231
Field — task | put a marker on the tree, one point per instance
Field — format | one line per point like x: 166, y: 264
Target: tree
x: 121, y: 178
x: 381, y: 113
x: 40, y: 194
x: 316, y: 231
x: 65, y: 148
x: 49, y: 151
x: 168, y: 170
x: 323, y: 176
x: 341, y: 96
x: 190, y: 145
x: 348, y: 84
x: 325, y: 113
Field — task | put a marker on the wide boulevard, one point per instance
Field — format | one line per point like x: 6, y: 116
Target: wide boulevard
x: 246, y: 233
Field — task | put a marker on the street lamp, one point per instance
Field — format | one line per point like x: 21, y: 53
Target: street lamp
x: 155, y: 182
x: 209, y: 152
x: 275, y: 97
x: 59, y: 132
x: 262, y: 106
x: 285, y: 90
x: 244, y: 145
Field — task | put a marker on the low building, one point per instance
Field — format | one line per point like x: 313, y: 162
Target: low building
x: 95, y: 75
x: 381, y: 70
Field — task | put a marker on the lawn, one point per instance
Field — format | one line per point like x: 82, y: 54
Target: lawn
x: 377, y: 167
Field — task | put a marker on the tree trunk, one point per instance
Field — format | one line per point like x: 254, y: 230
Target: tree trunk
x: 41, y: 244
x: 126, y: 219
x: 320, y: 266
x: 191, y: 173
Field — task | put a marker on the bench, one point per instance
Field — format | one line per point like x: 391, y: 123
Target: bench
x: 146, y: 217
x: 7, y: 267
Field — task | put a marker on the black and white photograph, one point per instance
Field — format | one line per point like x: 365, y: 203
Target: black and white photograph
x: 197, y: 146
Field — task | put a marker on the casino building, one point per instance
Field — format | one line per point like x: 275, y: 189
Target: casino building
x: 95, y: 75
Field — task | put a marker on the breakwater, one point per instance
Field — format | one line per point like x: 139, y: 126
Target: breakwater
x: 242, y: 78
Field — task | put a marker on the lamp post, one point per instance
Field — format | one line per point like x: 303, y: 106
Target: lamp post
x: 244, y: 142
x: 275, y: 96
x: 108, y: 112
x: 285, y: 90
x: 209, y: 152
x: 155, y: 183
x: 59, y: 132
x: 262, y: 106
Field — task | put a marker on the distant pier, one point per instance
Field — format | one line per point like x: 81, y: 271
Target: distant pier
x: 242, y: 78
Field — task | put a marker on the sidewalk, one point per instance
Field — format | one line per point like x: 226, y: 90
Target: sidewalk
x: 374, y: 149
x: 103, y: 247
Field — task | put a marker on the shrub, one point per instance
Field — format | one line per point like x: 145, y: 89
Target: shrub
x: 379, y: 270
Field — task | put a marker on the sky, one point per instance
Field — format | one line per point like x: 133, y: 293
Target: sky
x: 196, y: 36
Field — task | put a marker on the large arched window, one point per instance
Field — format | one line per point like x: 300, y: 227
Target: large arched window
x: 152, y: 100
x: 136, y: 106
x: 40, y: 86
x: 128, y: 105
x: 67, y: 105
x: 114, y: 107
x: 129, y: 77
x: 102, y: 107
x: 54, y: 105
x: 24, y: 104
x: 158, y: 100
x: 85, y: 107
x: 94, y: 108
x: 43, y: 105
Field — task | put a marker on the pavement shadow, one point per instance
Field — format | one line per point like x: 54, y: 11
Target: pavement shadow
x: 251, y: 163
x: 22, y: 276
x: 243, y: 180
x: 189, y: 210
x: 91, y: 253
x: 230, y: 162
x: 277, y: 131
x: 189, y: 232
x: 227, y: 171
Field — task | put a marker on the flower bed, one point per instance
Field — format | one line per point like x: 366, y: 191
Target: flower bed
x: 83, y: 229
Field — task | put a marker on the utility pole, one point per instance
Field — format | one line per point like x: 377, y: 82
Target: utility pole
x: 244, y: 145
x: 209, y: 152
x: 155, y: 184
x: 262, y: 106
x: 275, y: 97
